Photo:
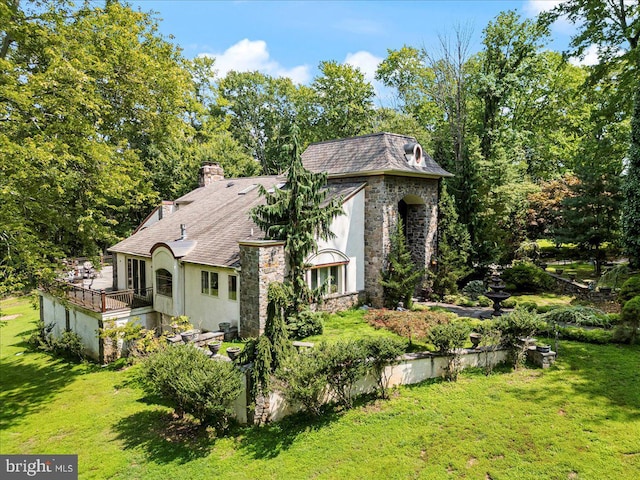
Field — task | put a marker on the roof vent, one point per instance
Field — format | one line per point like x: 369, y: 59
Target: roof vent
x: 413, y: 154
x: 183, y: 231
x: 247, y: 189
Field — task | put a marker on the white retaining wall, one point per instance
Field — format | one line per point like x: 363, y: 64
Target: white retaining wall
x: 412, y: 368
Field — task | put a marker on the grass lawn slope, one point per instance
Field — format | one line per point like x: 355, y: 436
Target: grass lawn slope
x: 577, y: 420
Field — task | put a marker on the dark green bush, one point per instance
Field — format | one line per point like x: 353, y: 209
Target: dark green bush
x: 185, y: 378
x: 527, y: 277
x: 474, y: 289
x: 305, y: 324
x: 630, y: 289
x: 629, y: 321
x: 578, y: 315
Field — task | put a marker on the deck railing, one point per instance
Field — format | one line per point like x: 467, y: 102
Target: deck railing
x: 103, y: 301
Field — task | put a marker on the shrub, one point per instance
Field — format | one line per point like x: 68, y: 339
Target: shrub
x: 185, y: 378
x: 630, y: 289
x: 305, y: 324
x: 509, y: 303
x: 474, y: 289
x: 408, y: 324
x: 615, y: 276
x: 344, y: 364
x: 578, y: 315
x: 630, y: 320
x: 527, y: 277
x: 400, y: 276
x: 596, y: 335
x: 380, y: 353
x: 448, y: 338
x: 68, y: 345
x: 304, y: 380
x: 515, y: 327
x: 527, y: 305
x: 490, y: 341
x: 484, y: 301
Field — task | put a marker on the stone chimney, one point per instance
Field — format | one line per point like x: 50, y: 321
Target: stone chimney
x: 210, y: 173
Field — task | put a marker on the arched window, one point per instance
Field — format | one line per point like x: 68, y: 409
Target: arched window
x: 164, y: 282
x: 328, y: 269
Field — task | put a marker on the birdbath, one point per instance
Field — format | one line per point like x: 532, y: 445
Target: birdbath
x: 497, y: 294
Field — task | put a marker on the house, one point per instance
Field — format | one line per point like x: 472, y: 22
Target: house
x: 202, y: 256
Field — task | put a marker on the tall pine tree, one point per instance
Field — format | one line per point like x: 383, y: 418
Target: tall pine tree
x: 401, y: 276
x: 299, y: 214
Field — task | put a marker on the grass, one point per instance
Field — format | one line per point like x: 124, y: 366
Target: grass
x: 544, y: 299
x: 583, y: 270
x: 349, y: 325
x: 577, y: 420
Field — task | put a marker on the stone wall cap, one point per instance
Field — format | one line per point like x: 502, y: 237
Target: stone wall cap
x: 260, y: 243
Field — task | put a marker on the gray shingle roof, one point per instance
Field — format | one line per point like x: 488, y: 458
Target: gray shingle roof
x: 379, y: 152
x: 216, y: 218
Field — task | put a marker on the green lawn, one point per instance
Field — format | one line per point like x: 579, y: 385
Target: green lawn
x: 349, y: 325
x: 578, y: 420
x: 544, y: 299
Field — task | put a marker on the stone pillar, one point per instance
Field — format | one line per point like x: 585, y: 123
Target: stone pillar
x: 261, y: 262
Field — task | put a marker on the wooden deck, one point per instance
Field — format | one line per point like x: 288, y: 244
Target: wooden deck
x: 104, y: 301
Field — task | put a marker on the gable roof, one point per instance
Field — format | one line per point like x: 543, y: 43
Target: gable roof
x: 217, y: 217
x: 369, y: 154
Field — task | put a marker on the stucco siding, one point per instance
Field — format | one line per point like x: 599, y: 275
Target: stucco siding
x: 207, y: 311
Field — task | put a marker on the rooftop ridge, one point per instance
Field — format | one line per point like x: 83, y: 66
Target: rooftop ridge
x: 337, y: 140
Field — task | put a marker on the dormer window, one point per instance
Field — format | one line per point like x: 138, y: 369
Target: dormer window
x: 413, y: 154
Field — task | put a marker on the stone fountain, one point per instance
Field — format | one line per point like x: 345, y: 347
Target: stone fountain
x: 497, y: 294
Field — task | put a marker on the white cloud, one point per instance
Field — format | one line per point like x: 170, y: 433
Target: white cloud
x: 366, y: 62
x: 533, y: 8
x: 536, y: 7
x: 589, y: 58
x: 250, y: 55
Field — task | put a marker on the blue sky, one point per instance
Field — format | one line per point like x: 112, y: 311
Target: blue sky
x: 290, y: 38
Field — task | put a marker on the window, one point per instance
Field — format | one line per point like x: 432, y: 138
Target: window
x: 233, y: 287
x: 137, y: 275
x: 332, y: 276
x: 209, y: 283
x: 164, y: 283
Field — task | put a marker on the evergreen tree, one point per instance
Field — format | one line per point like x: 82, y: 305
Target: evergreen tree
x: 454, y: 247
x: 298, y: 214
x: 591, y: 213
x: 631, y: 190
x: 401, y: 276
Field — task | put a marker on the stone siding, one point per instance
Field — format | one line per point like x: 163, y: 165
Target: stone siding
x: 262, y: 263
x: 382, y: 195
x: 337, y: 303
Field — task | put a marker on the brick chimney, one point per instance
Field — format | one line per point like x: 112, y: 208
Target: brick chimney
x: 209, y: 173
